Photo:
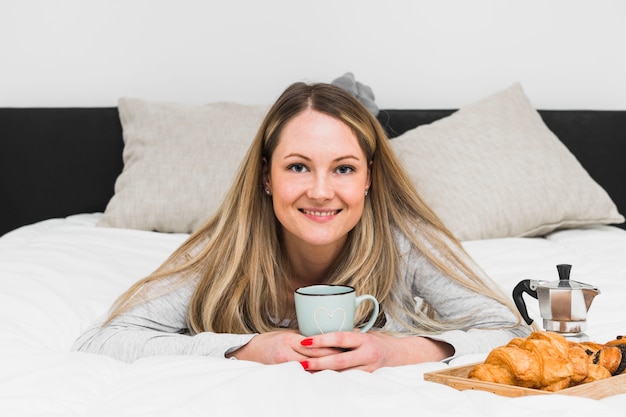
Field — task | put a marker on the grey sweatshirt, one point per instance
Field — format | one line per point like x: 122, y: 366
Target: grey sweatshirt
x: 159, y: 326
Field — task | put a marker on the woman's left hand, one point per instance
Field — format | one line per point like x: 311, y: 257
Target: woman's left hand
x: 373, y: 350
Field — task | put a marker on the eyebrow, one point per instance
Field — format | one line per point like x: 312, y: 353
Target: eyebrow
x: 341, y: 158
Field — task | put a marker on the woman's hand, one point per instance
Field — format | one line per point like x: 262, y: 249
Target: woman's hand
x: 370, y: 351
x: 278, y: 347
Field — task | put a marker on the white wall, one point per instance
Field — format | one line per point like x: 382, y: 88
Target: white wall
x: 413, y: 53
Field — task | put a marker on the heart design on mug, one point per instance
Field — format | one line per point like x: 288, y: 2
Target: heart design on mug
x: 324, y: 319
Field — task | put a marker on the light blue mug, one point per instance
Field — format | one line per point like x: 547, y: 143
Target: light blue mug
x: 330, y: 308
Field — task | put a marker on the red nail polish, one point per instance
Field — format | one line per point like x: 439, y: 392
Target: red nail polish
x: 305, y: 364
x: 306, y: 342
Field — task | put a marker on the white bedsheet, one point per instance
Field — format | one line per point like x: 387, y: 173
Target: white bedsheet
x: 58, y: 276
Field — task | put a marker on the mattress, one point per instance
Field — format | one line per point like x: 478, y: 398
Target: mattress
x: 60, y: 275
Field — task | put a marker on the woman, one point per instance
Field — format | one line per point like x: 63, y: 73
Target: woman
x: 320, y: 198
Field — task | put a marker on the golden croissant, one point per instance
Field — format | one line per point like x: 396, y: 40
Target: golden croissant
x: 548, y: 361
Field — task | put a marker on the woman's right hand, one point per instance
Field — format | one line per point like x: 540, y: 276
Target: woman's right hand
x: 278, y: 347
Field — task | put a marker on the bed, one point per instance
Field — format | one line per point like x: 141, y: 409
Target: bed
x: 68, y: 249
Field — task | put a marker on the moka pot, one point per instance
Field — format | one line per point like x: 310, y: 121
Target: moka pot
x: 563, y: 304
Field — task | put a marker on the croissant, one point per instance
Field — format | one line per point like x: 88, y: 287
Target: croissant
x: 618, y: 360
x: 584, y: 369
x: 516, y: 367
x: 548, y: 361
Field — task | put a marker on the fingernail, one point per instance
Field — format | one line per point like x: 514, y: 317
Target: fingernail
x: 306, y: 342
x: 305, y: 364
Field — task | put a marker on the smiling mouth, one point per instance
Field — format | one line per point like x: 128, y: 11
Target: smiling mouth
x: 317, y: 213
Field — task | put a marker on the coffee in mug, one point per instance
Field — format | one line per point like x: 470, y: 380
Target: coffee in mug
x: 330, y: 308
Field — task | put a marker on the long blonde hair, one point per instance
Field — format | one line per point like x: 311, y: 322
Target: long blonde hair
x: 236, y: 260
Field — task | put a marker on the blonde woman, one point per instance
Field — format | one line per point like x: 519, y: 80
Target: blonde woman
x: 320, y: 198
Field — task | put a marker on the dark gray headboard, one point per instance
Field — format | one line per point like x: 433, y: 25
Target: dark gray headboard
x: 55, y: 162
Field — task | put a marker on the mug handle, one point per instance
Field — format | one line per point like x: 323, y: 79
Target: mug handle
x: 358, y: 300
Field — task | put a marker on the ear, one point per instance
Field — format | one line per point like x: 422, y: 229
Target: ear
x: 369, y: 176
x: 265, y: 174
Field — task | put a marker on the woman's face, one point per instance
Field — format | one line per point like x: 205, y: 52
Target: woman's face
x: 318, y: 178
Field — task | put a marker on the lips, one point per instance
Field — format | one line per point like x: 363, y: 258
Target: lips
x: 320, y: 213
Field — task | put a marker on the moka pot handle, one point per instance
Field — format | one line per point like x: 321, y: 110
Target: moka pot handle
x: 522, y: 287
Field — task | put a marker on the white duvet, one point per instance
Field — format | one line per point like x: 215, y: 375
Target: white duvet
x: 58, y: 276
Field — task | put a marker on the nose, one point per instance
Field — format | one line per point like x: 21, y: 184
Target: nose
x: 321, y: 187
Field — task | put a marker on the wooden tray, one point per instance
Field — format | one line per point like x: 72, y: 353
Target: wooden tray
x: 457, y: 378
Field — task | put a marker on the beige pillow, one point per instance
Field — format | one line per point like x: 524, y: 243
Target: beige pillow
x: 493, y: 169
x: 179, y: 161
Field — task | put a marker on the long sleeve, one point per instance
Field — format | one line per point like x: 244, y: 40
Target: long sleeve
x: 157, y: 327
x: 490, y: 324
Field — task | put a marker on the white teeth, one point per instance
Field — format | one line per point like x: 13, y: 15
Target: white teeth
x: 320, y: 213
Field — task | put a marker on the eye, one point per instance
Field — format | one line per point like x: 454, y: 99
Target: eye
x: 297, y: 168
x: 345, y: 169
